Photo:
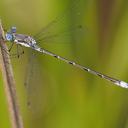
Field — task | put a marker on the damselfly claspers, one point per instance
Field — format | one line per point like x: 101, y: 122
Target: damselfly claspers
x: 29, y: 41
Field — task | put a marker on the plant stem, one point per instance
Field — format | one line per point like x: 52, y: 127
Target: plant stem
x: 9, y: 83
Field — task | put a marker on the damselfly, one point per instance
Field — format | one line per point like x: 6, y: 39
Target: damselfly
x: 29, y: 41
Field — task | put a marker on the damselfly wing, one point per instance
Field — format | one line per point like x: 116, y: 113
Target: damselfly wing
x: 56, y: 32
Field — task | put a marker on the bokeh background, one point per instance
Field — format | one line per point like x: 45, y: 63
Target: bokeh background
x: 53, y: 94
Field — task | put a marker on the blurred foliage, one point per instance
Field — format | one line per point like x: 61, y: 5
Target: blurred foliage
x: 59, y: 95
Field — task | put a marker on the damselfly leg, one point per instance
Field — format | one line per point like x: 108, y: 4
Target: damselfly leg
x: 19, y: 51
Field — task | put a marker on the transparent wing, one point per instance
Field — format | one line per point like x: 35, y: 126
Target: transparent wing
x: 34, y: 85
x: 59, y: 30
x: 64, y: 25
x: 64, y: 36
x: 30, y: 69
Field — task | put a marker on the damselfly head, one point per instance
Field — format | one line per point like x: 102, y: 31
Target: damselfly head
x: 9, y: 37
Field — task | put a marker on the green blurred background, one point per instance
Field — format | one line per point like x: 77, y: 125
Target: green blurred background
x: 59, y: 95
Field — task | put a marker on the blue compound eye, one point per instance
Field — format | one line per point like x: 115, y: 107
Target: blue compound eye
x: 13, y: 30
x: 9, y: 37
